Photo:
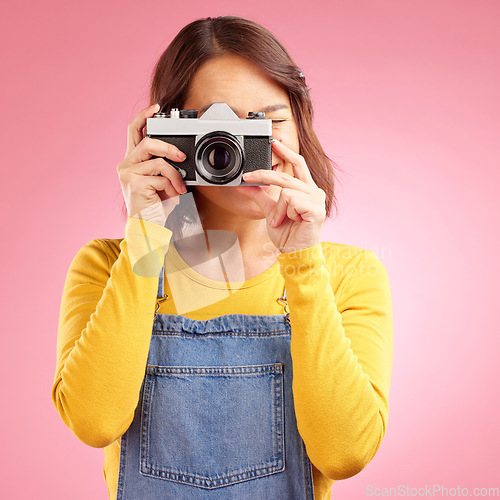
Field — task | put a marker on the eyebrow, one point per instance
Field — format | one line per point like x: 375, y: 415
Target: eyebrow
x: 266, y: 109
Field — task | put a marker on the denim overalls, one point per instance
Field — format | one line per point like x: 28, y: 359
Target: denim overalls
x: 215, y: 418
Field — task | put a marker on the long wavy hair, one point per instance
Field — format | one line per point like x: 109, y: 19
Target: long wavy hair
x: 208, y: 38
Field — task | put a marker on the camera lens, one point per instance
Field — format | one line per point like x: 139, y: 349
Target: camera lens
x: 219, y: 157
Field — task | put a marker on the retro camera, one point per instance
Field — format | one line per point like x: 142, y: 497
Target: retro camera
x: 220, y: 147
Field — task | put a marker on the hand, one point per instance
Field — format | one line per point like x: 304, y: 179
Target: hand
x: 295, y: 219
x: 151, y: 187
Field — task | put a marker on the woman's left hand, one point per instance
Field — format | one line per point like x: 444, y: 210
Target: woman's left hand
x: 295, y: 220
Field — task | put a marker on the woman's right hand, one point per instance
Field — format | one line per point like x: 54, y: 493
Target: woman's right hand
x: 151, y: 187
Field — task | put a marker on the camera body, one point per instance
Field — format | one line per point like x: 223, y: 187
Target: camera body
x: 219, y: 146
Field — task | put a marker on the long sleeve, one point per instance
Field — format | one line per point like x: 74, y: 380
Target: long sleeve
x: 104, y: 331
x: 342, y: 356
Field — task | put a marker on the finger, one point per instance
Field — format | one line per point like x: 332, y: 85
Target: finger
x: 169, y: 196
x: 169, y: 203
x: 285, y: 207
x: 156, y: 184
x: 300, y: 168
x: 276, y: 178
x: 149, y: 147
x: 297, y: 207
x: 263, y: 200
x: 159, y: 166
x: 134, y: 133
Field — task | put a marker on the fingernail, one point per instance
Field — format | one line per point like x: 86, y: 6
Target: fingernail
x: 181, y: 155
x: 272, y: 140
x: 272, y: 222
x: 246, y: 175
x: 156, y: 106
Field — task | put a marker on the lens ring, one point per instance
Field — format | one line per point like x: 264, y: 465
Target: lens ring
x: 227, y: 145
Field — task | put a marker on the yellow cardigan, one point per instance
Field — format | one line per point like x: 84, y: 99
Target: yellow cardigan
x: 340, y: 307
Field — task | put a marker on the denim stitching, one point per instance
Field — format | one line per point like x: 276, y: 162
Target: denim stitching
x: 275, y: 370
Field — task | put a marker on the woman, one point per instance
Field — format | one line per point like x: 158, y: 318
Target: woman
x: 184, y: 375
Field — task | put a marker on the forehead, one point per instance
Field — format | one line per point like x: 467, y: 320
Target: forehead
x: 236, y: 81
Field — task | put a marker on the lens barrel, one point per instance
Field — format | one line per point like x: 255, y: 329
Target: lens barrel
x: 219, y: 157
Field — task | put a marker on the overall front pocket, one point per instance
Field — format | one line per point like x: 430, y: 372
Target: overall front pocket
x: 212, y: 426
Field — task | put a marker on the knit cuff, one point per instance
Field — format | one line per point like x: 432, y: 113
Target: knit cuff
x: 301, y: 263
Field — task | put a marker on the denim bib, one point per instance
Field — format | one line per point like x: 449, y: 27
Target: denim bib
x: 215, y: 418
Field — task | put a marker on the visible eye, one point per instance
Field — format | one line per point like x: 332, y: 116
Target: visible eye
x: 279, y: 121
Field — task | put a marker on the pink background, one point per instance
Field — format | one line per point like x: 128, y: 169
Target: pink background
x: 407, y: 103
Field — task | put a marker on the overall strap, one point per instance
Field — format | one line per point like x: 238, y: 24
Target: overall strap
x: 282, y: 300
x: 161, y: 285
x: 161, y: 296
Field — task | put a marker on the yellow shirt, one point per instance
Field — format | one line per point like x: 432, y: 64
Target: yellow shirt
x: 342, y: 340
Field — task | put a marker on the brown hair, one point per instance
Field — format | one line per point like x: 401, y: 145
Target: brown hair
x: 207, y: 38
